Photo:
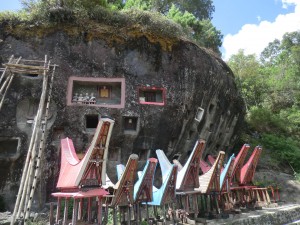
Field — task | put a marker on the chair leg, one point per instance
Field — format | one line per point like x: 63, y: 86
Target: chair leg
x: 138, y: 213
x: 164, y: 214
x: 129, y: 215
x: 114, y: 216
x: 147, y: 212
x: 155, y: 211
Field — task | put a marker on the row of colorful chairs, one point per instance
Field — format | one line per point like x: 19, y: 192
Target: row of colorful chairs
x: 196, y: 189
x: 186, y: 193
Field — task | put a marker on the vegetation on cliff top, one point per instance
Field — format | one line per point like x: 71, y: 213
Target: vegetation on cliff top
x: 168, y: 19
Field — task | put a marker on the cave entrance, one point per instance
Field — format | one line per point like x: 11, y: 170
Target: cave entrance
x: 9, y: 147
x: 91, y: 121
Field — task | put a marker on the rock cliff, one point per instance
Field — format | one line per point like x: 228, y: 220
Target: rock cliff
x: 163, y: 92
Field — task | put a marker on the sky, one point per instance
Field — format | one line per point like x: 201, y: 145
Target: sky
x: 252, y: 24
x: 245, y: 24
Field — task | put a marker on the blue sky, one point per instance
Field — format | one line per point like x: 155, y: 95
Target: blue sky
x: 10, y: 5
x: 252, y: 24
x: 245, y: 24
x: 231, y: 15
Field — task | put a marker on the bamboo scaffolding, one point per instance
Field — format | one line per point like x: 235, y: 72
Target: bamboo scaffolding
x: 41, y: 149
x: 32, y: 164
x: 6, y: 85
x: 32, y: 150
x: 31, y: 69
x: 31, y: 153
x: 11, y: 77
x: 33, y: 60
x: 30, y: 173
x: 4, y: 69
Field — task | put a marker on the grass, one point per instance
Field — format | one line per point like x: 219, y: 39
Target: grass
x: 97, y: 23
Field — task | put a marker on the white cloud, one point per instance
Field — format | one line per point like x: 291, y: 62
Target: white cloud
x: 258, y: 18
x: 254, y: 38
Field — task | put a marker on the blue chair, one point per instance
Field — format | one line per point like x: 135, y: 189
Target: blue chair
x: 225, y: 174
x: 226, y: 202
x: 166, y: 194
x: 143, y: 187
x: 187, y: 177
x: 120, y: 170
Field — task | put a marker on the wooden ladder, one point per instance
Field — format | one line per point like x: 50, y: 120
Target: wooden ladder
x: 31, y: 170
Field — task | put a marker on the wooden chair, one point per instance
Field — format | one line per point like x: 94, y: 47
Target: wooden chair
x: 254, y: 195
x: 122, y: 192
x: 210, y: 186
x: 143, y: 188
x: 187, y: 181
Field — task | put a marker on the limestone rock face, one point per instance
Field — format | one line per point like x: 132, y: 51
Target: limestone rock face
x: 162, y: 95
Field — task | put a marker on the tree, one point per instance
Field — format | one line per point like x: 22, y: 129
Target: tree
x: 270, y: 53
x: 201, y: 9
x: 282, y: 61
x: 209, y: 36
x: 271, y: 89
x: 249, y: 77
x: 138, y: 4
x: 202, y: 31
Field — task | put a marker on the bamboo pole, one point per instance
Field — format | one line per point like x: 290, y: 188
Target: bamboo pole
x: 58, y: 210
x: 99, y: 216
x: 4, y: 71
x: 24, y: 173
x: 75, y: 211
x: 41, y: 148
x: 80, y: 209
x: 89, y: 217
x: 7, y: 87
x: 27, y: 177
x: 22, y: 66
x: 7, y: 82
x: 65, y: 220
x: 4, y: 85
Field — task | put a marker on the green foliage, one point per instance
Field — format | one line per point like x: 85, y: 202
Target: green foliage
x: 70, y: 207
x: 202, y: 31
x: 201, y: 9
x: 195, y: 24
x: 263, y: 120
x: 251, y: 80
x: 154, y: 22
x: 209, y: 36
x: 185, y: 19
x: 286, y: 149
x: 138, y: 4
x: 270, y: 86
x: 291, y: 116
x: 297, y: 177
